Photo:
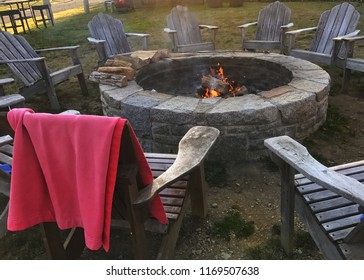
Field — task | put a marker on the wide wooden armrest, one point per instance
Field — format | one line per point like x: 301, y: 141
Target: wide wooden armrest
x: 6, y: 139
x: 34, y: 59
x: 297, y: 156
x: 192, y: 149
x: 289, y: 25
x: 350, y: 37
x: 211, y: 27
x: 65, y: 48
x: 298, y: 31
x: 95, y: 41
x: 6, y: 81
x: 136, y: 35
x: 248, y: 24
x: 168, y: 30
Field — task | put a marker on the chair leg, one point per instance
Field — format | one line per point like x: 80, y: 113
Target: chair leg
x: 346, y: 79
x: 198, y: 190
x: 82, y: 82
x: 169, y: 241
x: 52, y: 241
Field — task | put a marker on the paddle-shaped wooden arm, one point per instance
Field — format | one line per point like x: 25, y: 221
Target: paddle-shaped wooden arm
x: 192, y: 149
x: 297, y: 156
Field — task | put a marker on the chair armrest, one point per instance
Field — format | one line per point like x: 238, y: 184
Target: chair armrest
x: 136, y: 35
x: 58, y: 49
x: 143, y: 37
x: 297, y: 156
x: 248, y: 24
x: 298, y: 31
x: 350, y: 37
x: 192, y: 150
x: 34, y: 59
x: 211, y: 27
x: 6, y: 139
x: 6, y: 81
x: 168, y: 30
x: 289, y: 25
x: 95, y: 41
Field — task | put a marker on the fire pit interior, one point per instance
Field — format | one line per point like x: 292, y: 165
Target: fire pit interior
x: 284, y: 95
x: 183, y: 77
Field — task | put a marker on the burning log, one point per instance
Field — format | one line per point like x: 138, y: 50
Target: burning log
x: 109, y: 79
x: 241, y: 91
x: 216, y: 84
x: 129, y: 72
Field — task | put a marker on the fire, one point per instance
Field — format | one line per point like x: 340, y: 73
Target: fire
x: 217, y: 84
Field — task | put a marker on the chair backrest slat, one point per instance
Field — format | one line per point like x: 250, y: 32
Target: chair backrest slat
x: 270, y: 19
x: 186, y: 24
x: 16, y: 47
x: 340, y: 20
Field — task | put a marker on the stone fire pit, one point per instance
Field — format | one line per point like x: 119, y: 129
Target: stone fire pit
x: 288, y: 96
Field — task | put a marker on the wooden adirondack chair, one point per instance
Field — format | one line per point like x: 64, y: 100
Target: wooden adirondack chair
x: 178, y: 179
x: 183, y: 29
x: 32, y: 70
x: 109, y: 37
x: 341, y: 21
x: 273, y: 22
x: 329, y: 201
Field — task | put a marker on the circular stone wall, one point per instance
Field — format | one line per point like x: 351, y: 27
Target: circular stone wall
x: 296, y: 108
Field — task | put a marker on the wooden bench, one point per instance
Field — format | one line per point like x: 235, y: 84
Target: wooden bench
x: 329, y: 201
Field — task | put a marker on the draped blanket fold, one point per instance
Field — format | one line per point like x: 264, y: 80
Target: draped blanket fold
x: 64, y: 171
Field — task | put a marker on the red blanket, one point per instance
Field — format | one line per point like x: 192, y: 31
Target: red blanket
x: 64, y: 171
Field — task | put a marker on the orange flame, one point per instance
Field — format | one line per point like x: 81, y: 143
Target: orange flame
x: 219, y: 74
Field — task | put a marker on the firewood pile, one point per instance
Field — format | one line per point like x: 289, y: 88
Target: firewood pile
x: 121, y: 69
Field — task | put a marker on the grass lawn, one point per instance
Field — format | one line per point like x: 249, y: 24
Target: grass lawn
x: 71, y: 29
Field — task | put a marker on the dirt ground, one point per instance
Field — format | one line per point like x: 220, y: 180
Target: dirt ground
x: 250, y: 189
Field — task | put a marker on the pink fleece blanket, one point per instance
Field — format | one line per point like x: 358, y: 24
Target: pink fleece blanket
x: 64, y: 171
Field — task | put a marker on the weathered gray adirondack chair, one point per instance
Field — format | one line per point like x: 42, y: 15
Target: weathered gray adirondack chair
x: 109, y: 37
x: 329, y: 201
x: 178, y: 180
x: 341, y: 21
x: 183, y: 29
x: 273, y: 22
x: 32, y: 70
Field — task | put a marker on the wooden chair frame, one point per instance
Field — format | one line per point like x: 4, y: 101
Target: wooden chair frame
x: 184, y: 31
x: 178, y: 179
x: 32, y: 70
x: 328, y: 200
x: 273, y: 22
x: 109, y: 37
x: 339, y: 22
